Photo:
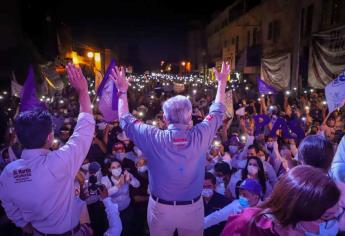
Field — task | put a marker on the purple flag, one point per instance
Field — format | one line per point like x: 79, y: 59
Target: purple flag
x: 260, y: 122
x: 29, y: 100
x: 295, y: 127
x: 282, y: 125
x: 107, y: 93
x: 265, y: 88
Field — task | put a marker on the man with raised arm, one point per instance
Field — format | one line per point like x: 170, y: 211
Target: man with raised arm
x: 176, y: 157
x: 37, y: 191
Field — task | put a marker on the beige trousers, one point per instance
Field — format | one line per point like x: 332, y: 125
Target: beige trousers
x: 163, y: 219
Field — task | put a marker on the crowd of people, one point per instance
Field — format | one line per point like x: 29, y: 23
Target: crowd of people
x: 175, y: 165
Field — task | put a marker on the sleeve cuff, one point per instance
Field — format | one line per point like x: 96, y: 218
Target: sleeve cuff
x: 87, y: 117
x: 107, y: 201
x: 127, y: 119
x: 218, y: 107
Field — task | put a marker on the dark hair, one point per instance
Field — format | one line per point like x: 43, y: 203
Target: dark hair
x: 211, y: 177
x: 256, y: 147
x: 33, y: 127
x: 303, y: 194
x: 317, y: 151
x: 222, y: 167
x: 261, y: 173
x: 107, y: 166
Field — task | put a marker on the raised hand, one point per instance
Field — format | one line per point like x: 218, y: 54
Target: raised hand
x: 78, y: 81
x: 76, y: 78
x: 223, y: 75
x: 119, y: 77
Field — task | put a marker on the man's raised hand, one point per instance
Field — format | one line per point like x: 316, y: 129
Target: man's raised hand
x: 119, y: 76
x: 76, y: 78
x: 223, y: 75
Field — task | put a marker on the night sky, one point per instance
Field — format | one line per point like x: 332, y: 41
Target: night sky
x: 157, y: 28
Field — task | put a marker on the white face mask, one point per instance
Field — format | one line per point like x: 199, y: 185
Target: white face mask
x: 269, y: 144
x: 263, y: 158
x: 219, y: 180
x: 253, y: 170
x: 207, y: 192
x: 233, y: 149
x: 85, y: 167
x: 142, y: 169
x: 116, y: 172
x: 120, y: 156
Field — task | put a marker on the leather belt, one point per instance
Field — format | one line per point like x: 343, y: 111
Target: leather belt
x: 175, y: 203
x: 68, y: 233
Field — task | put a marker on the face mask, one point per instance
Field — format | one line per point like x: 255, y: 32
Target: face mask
x: 269, y: 145
x: 206, y: 192
x: 326, y: 229
x: 243, y: 202
x: 233, y: 149
x: 120, y: 156
x: 252, y: 170
x: 116, y: 172
x: 85, y: 167
x: 263, y: 158
x: 142, y: 169
x: 219, y: 180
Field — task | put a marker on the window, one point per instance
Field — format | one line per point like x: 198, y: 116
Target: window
x: 302, y: 21
x: 274, y: 30
x: 309, y: 20
x: 335, y: 15
x: 270, y: 31
x: 255, y: 34
x: 237, y: 43
x: 248, y: 38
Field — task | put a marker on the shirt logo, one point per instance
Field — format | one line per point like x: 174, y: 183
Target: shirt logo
x: 209, y: 117
x: 180, y: 142
x: 22, y: 175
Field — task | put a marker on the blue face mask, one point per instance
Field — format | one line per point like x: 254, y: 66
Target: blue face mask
x: 243, y: 202
x: 329, y: 228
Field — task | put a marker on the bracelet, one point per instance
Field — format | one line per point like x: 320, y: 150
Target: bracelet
x: 119, y: 93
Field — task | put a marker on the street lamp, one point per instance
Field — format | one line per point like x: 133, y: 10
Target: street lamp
x: 90, y: 55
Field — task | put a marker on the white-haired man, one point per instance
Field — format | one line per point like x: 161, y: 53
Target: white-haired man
x: 176, y: 157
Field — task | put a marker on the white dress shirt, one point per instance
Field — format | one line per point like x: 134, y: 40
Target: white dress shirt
x: 120, y: 195
x: 39, y: 188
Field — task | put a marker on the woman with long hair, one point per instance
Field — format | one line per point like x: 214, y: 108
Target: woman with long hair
x: 254, y: 169
x: 303, y: 199
x: 118, y: 182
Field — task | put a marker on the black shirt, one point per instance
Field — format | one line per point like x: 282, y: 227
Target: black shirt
x: 217, y: 202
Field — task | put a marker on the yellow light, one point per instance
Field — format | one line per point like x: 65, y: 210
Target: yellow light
x: 90, y: 54
x: 75, y: 58
x: 183, y: 63
x: 97, y: 56
x: 98, y: 64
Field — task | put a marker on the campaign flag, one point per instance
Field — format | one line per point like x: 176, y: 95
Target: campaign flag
x: 335, y: 92
x: 29, y: 100
x: 264, y: 88
x: 108, y: 98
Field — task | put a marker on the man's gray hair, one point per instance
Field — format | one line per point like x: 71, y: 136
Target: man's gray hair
x: 178, y: 110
